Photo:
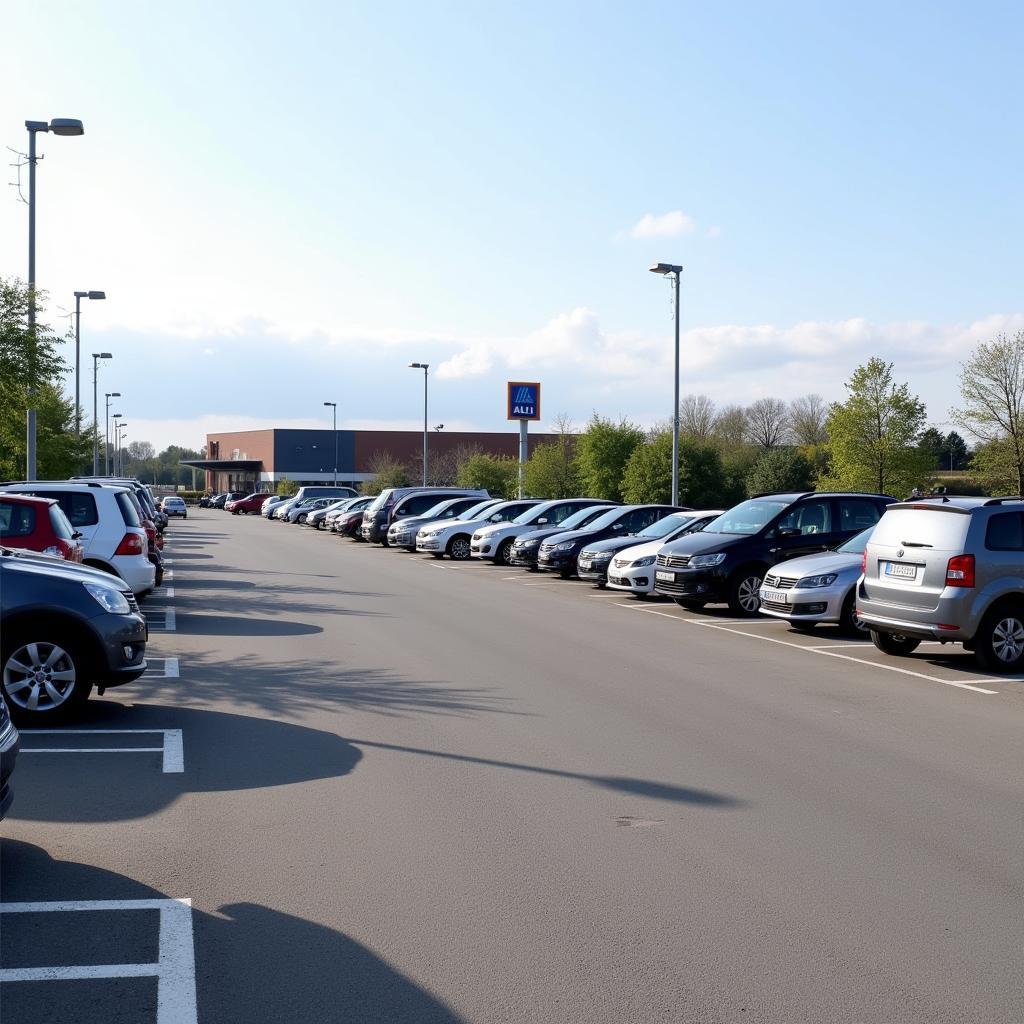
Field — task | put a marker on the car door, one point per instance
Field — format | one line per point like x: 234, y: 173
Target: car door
x: 805, y: 528
x: 856, y: 514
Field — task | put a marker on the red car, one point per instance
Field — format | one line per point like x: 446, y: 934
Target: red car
x: 347, y: 525
x: 38, y: 524
x: 243, y: 506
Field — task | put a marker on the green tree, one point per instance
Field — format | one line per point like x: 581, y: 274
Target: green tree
x: 956, y: 453
x: 933, y: 442
x: 992, y: 393
x: 286, y: 488
x: 872, y: 435
x: 780, y: 469
x: 995, y: 468
x: 497, y: 474
x: 703, y: 481
x: 388, y: 472
x: 602, y: 453
x: 551, y: 468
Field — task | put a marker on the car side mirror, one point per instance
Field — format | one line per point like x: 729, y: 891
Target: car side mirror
x: 788, y: 531
x: 76, y: 535
x: 542, y: 521
x: 616, y: 526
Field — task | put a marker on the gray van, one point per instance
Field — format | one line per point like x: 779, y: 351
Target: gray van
x: 399, y: 502
x: 948, y: 569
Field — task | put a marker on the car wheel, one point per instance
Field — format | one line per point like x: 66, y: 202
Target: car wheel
x: 744, y: 587
x: 689, y: 604
x: 849, y: 620
x: 999, y: 644
x: 504, y: 552
x: 895, y: 644
x: 42, y: 679
x: 459, y: 549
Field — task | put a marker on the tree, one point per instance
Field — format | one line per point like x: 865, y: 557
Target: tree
x: 933, y: 443
x: 141, y: 451
x: 601, y: 456
x: 286, y: 488
x: 780, y: 469
x: 731, y: 427
x: 389, y: 472
x: 872, y: 435
x: 992, y: 392
x: 696, y: 417
x: 956, y: 453
x: 703, y: 482
x: 994, y: 467
x: 767, y: 423
x: 807, y: 418
x: 551, y: 468
x: 497, y: 474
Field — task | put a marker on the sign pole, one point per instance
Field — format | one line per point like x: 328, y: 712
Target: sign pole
x: 524, y: 426
x: 523, y: 398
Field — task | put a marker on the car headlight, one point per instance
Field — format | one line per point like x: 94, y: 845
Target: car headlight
x: 824, y: 580
x: 527, y: 543
x: 641, y: 562
x: 112, y: 600
x: 567, y: 545
x: 706, y: 561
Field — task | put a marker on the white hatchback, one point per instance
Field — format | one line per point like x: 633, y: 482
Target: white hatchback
x: 174, y: 506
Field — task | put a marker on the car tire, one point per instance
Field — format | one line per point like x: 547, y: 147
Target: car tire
x: 896, y: 644
x: 743, y: 588
x: 999, y: 642
x: 66, y: 657
x: 459, y: 549
x: 504, y: 552
x: 849, y: 622
x: 689, y: 604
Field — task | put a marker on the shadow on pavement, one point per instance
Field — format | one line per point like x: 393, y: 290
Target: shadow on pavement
x: 196, y: 624
x: 223, y: 753
x: 253, y: 963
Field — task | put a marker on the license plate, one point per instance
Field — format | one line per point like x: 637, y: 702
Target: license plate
x: 584, y: 564
x: 775, y: 596
x: 667, y: 577
x: 899, y: 571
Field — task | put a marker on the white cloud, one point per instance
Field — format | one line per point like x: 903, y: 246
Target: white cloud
x: 714, y: 232
x: 665, y: 225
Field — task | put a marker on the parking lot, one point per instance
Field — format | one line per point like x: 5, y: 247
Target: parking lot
x: 358, y: 784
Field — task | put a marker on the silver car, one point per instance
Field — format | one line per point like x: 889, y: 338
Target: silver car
x: 948, y: 569
x: 817, y: 588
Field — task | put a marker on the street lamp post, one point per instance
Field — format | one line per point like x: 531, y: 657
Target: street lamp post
x: 96, y: 357
x: 424, y: 367
x: 334, y: 413
x: 671, y: 270
x: 78, y: 339
x: 115, y: 418
x: 106, y: 434
x: 58, y: 126
x: 120, y: 446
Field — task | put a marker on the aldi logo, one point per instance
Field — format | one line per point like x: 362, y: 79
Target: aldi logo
x: 523, y: 400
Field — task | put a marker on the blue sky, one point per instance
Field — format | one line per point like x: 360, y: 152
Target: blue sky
x: 287, y: 204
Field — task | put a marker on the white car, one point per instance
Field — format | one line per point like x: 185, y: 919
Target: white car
x: 632, y: 568
x: 451, y: 537
x: 111, y: 532
x: 174, y: 506
x: 495, y: 542
x: 272, y: 504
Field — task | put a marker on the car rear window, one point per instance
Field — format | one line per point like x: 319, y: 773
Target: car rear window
x: 941, y: 530
x: 78, y: 506
x: 59, y: 522
x: 1005, y: 532
x: 16, y: 520
x: 127, y: 507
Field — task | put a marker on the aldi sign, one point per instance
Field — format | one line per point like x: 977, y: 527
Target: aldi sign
x: 523, y: 400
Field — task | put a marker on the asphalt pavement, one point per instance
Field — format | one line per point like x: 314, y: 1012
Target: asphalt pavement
x: 364, y: 786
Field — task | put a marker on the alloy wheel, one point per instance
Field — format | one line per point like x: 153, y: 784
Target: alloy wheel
x: 1008, y: 639
x: 459, y: 549
x: 39, y: 677
x: 747, y: 593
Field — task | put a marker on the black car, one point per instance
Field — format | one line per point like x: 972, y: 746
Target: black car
x: 559, y: 552
x: 9, y: 746
x: 595, y: 558
x: 526, y: 549
x: 63, y: 628
x: 220, y: 500
x: 726, y: 562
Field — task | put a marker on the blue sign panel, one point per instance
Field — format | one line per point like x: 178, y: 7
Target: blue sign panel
x: 523, y: 400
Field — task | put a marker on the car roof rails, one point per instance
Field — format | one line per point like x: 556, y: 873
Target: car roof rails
x: 1006, y: 500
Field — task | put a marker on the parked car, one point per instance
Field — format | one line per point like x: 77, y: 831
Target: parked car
x: 301, y: 509
x: 250, y: 503
x: 526, y: 549
x: 273, y: 502
x: 350, y: 522
x: 315, y: 519
x: 495, y: 542
x: 560, y: 553
x: 221, y: 500
x: 632, y: 568
x: 143, y: 495
x: 344, y: 508
x: 206, y: 500
x: 325, y: 491
x: 63, y: 628
x: 453, y: 538
x: 817, y: 588
x: 727, y: 561
x: 112, y: 534
x: 172, y: 506
x: 400, y: 502
x: 10, y: 744
x: 948, y: 569
x: 402, y: 532
x: 38, y: 524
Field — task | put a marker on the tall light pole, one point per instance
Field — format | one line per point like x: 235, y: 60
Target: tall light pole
x: 671, y: 270
x: 78, y: 340
x: 96, y: 357
x: 106, y: 435
x: 334, y: 413
x: 120, y: 446
x: 115, y: 418
x: 424, y: 367
x: 58, y: 126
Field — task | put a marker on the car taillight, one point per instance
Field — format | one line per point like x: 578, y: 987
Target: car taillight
x: 131, y: 544
x: 960, y: 571
x: 864, y: 561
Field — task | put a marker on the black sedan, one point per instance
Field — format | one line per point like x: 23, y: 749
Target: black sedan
x: 559, y: 552
x: 63, y: 628
x: 9, y: 744
x: 526, y: 549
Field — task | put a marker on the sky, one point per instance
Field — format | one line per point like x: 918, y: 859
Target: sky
x: 287, y: 204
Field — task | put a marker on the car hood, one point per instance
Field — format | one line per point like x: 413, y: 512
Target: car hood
x: 635, y: 551
x: 543, y: 533
x: 48, y: 565
x: 813, y: 565
x: 613, y: 544
x: 412, y: 521
x: 564, y: 536
x: 706, y: 543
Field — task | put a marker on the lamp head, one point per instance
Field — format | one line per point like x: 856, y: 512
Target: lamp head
x: 66, y: 126
x: 117, y: 416
x: 418, y: 366
x: 96, y: 295
x: 665, y: 268
x: 113, y: 394
x: 334, y: 404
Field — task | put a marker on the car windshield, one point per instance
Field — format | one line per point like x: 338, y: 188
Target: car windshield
x: 855, y: 545
x: 748, y: 517
x: 584, y: 517
x: 603, y: 517
x: 665, y: 526
x: 379, y: 502
x: 438, y: 510
x: 476, y: 510
x: 531, y: 515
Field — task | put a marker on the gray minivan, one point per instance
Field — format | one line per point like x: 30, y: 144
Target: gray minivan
x: 399, y: 502
x: 948, y: 569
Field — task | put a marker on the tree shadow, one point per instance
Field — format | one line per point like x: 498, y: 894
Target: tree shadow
x: 197, y: 624
x: 252, y: 963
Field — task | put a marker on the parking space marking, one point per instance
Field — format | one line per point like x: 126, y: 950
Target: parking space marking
x: 175, y: 968
x: 162, y: 668
x: 162, y: 592
x: 166, y: 621
x: 173, y: 747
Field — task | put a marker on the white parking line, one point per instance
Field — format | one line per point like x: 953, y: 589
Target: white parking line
x: 162, y: 668
x: 173, y: 747
x: 169, y: 623
x: 175, y: 969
